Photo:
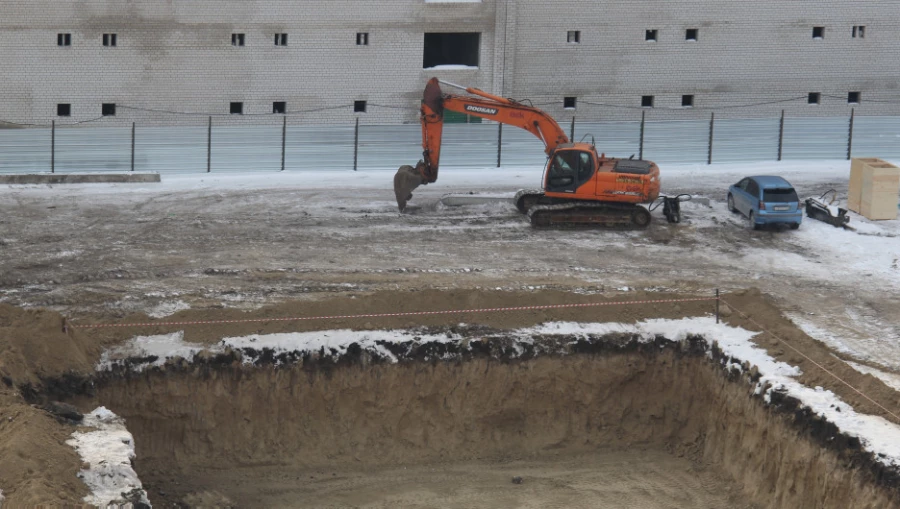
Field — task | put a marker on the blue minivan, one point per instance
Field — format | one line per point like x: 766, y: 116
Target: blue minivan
x: 766, y: 200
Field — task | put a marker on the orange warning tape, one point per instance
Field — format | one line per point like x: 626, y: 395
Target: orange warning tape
x: 823, y: 368
x: 380, y: 315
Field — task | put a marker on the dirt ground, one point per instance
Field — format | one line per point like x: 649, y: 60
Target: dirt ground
x: 632, y: 479
x: 104, y: 256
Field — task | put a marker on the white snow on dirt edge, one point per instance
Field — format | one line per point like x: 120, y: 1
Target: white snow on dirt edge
x: 108, y: 451
x: 876, y: 434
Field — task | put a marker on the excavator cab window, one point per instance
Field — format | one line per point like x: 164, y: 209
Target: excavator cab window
x: 568, y: 170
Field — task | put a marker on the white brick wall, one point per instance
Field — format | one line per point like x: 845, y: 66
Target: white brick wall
x: 177, y: 56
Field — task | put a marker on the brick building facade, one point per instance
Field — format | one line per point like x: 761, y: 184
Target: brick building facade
x: 324, y: 61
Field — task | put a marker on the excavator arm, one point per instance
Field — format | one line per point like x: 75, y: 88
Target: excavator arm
x: 479, y: 104
x: 484, y: 105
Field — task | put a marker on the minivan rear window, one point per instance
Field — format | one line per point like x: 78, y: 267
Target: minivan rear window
x: 786, y: 195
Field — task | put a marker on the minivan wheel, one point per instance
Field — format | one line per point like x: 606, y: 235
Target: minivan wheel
x: 794, y: 226
x: 731, y: 204
x: 752, y: 221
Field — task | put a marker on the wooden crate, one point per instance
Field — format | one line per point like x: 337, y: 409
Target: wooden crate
x: 880, y: 190
x: 854, y: 197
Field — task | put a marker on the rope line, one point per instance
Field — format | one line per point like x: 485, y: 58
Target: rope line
x: 381, y: 315
x: 823, y: 368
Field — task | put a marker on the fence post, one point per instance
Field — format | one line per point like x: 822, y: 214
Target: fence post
x: 356, y: 145
x: 283, y: 141
x: 781, y: 135
x: 712, y: 122
x: 499, y: 142
x: 717, y: 305
x: 53, y: 146
x: 572, y: 131
x: 641, y: 150
x: 850, y: 134
x: 209, y: 147
x: 132, y: 146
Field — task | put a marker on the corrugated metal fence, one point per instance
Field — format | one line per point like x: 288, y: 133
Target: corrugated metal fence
x: 200, y: 148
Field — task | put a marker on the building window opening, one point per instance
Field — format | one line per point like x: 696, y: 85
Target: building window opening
x: 237, y: 39
x: 647, y: 101
x: 853, y: 97
x: 569, y: 103
x: 461, y: 49
x: 691, y: 34
x: 281, y: 39
x: 109, y: 40
x: 362, y: 39
x: 818, y: 32
x: 63, y: 39
x: 651, y: 35
x: 237, y: 108
x: 359, y: 106
x: 108, y: 110
x: 63, y: 110
x: 573, y: 36
x: 859, y: 32
x: 687, y: 101
x: 279, y: 107
x: 814, y: 98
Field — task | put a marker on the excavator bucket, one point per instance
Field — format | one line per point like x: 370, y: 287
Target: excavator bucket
x: 406, y: 179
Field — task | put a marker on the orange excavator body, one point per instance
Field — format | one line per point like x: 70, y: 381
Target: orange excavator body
x: 575, y: 172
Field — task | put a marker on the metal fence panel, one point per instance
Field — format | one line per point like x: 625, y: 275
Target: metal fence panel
x: 745, y: 139
x: 876, y: 137
x: 387, y: 147
x: 521, y: 148
x: 93, y: 149
x: 470, y: 145
x: 815, y: 138
x: 677, y: 141
x: 180, y: 149
x: 615, y: 139
x: 25, y: 150
x: 319, y: 147
x: 246, y: 148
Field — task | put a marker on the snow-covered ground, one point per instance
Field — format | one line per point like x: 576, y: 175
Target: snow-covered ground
x: 337, y: 229
x: 876, y: 434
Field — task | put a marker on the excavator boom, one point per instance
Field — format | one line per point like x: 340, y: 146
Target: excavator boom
x: 483, y: 105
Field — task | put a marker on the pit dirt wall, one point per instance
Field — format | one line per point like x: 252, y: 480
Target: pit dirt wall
x: 364, y: 414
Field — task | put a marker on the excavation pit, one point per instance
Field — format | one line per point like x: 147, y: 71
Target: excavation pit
x: 598, y: 420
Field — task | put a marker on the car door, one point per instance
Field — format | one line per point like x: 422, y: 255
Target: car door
x: 740, y: 196
x: 752, y: 197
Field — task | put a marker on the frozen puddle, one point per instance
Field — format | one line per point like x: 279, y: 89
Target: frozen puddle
x: 108, y: 450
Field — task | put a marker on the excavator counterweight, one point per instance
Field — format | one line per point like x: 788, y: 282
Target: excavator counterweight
x: 580, y: 188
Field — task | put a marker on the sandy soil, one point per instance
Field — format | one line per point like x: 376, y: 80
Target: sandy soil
x: 632, y: 479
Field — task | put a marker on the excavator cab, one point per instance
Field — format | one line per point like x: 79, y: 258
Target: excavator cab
x: 568, y: 169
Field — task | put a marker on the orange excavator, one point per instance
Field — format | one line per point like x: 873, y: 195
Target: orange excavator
x: 580, y: 188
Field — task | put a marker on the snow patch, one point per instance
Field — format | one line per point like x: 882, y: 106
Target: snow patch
x: 167, y: 308
x: 154, y: 349
x: 452, y: 67
x: 108, y: 451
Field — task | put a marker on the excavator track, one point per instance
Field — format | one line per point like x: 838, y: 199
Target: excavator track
x: 580, y: 214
